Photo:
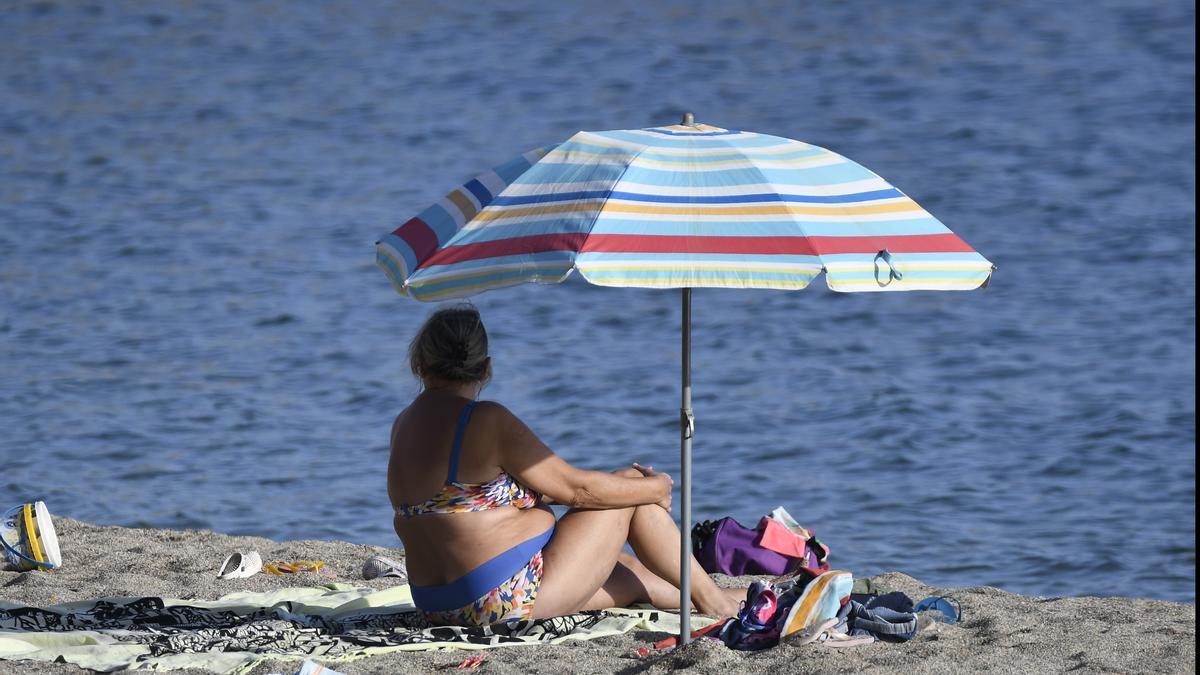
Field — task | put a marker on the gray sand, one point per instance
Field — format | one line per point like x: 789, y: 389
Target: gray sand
x: 1002, y: 632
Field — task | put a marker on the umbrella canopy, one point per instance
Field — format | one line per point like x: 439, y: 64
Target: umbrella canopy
x: 681, y: 206
x: 678, y: 207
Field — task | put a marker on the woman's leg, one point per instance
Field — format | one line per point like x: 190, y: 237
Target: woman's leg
x: 579, y: 558
x: 631, y: 582
x: 583, y: 554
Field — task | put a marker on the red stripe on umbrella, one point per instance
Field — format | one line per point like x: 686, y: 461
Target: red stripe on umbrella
x: 419, y: 236
x: 650, y: 243
x: 541, y: 243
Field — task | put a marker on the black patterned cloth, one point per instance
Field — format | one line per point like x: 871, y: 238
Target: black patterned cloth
x: 161, y: 628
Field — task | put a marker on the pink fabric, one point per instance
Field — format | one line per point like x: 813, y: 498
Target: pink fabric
x: 775, y: 536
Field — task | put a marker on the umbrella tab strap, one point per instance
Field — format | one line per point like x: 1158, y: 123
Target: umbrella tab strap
x: 893, y: 274
x: 687, y: 422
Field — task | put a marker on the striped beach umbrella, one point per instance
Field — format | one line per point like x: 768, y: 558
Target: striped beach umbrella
x: 682, y: 206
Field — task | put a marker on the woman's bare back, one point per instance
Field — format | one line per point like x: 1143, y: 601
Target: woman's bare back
x: 442, y: 547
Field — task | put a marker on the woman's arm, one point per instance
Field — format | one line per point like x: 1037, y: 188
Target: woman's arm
x: 523, y: 455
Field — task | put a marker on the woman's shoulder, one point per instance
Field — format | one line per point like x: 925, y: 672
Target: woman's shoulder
x: 490, y: 416
x: 499, y: 420
x: 491, y: 412
x: 491, y: 407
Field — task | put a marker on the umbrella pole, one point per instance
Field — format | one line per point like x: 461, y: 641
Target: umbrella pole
x: 686, y: 427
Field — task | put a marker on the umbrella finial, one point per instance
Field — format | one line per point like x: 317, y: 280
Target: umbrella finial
x: 689, y: 120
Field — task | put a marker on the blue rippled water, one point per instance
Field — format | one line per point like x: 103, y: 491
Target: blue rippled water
x: 193, y: 333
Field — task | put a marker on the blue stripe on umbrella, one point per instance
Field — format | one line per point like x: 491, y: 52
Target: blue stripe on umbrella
x: 744, y: 140
x: 441, y: 222
x: 842, y: 172
x: 727, y: 132
x: 891, y: 193
x: 481, y: 193
x: 402, y: 248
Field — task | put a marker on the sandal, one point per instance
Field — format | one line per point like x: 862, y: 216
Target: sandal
x: 950, y: 609
x: 279, y: 569
x: 835, y: 639
x: 240, y: 565
x: 812, y: 633
x: 378, y: 566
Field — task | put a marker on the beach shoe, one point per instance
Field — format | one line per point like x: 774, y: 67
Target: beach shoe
x: 811, y: 633
x: 278, y: 569
x: 378, y: 566
x: 821, y: 600
x: 28, y: 538
x: 835, y: 639
x: 950, y: 611
x: 240, y: 565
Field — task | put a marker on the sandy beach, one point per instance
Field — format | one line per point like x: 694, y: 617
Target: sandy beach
x: 1001, y: 631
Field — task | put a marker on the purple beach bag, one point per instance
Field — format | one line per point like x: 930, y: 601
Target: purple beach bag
x: 726, y: 546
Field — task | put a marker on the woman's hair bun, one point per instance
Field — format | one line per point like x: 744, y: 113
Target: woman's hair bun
x: 451, y: 345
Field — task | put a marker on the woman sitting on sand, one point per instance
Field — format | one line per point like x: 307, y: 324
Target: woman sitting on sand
x: 469, y: 483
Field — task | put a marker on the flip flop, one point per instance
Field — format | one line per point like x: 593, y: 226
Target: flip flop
x: 240, y: 565
x: 279, y: 569
x: 378, y: 566
x: 950, y: 609
x: 811, y: 633
x: 834, y: 639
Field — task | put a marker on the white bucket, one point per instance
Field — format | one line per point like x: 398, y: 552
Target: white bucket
x: 28, y: 538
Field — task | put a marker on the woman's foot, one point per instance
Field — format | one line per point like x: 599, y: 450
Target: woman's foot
x: 725, y: 603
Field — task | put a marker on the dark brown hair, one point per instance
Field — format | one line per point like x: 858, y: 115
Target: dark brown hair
x: 451, y: 345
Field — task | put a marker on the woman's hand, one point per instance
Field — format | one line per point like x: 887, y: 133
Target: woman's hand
x: 665, y: 481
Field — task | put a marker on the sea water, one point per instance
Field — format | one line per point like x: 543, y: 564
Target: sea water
x: 193, y: 333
